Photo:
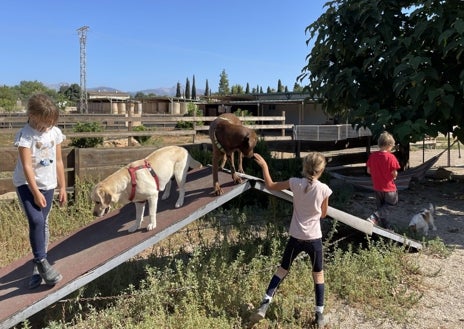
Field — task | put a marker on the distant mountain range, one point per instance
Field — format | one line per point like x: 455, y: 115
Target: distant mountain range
x: 162, y: 91
x: 156, y: 91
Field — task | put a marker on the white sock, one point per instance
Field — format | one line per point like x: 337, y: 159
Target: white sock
x: 320, y: 309
x: 266, y: 296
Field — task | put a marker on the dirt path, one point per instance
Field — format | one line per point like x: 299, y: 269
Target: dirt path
x: 442, y: 303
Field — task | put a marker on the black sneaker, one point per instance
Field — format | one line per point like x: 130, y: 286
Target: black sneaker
x: 261, y: 311
x: 34, y: 281
x: 48, y: 273
x: 319, y: 320
x: 374, y: 219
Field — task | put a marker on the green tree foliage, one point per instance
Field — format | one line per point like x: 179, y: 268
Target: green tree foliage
x: 187, y: 89
x: 280, y: 87
x: 206, y: 88
x: 236, y: 90
x: 223, y: 83
x: 178, y: 92
x: 247, y: 88
x: 394, y: 65
x: 28, y: 88
x: 194, y: 89
x: 297, y: 88
x: 71, y: 92
x: 8, y: 98
x: 139, y: 95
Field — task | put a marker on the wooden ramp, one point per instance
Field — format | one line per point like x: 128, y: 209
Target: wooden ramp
x: 105, y: 243
x: 348, y: 219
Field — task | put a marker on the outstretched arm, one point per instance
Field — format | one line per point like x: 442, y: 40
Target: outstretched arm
x: 270, y: 184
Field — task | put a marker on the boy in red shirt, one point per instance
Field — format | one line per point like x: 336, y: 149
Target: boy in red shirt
x: 383, y: 167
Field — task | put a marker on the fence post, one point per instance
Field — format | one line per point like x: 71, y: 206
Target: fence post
x: 283, y: 122
x: 194, y: 122
x: 129, y: 126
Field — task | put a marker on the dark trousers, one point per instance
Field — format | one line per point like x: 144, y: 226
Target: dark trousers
x: 294, y: 247
x: 37, y: 218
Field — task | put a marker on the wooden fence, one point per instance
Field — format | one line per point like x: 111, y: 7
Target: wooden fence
x: 98, y: 163
x: 85, y: 163
x: 158, y: 125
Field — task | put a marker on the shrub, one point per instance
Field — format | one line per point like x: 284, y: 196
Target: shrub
x: 191, y: 110
x: 141, y: 139
x: 87, y: 142
x: 244, y: 113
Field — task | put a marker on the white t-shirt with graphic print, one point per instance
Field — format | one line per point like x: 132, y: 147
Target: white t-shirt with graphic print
x: 43, y: 151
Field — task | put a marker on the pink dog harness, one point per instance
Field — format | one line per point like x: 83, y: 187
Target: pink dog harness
x: 132, y: 171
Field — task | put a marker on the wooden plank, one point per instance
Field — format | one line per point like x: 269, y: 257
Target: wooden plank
x: 65, y: 119
x: 9, y: 158
x: 103, y: 157
x: 6, y: 185
x: 346, y: 218
x: 122, y: 134
x: 104, y: 244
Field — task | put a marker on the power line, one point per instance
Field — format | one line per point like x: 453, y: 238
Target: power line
x: 83, y: 99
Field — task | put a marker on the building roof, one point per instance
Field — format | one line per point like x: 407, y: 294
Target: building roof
x: 107, y: 95
x: 274, y: 98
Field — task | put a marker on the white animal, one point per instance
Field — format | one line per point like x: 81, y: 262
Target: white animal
x: 423, y: 220
x: 140, y: 182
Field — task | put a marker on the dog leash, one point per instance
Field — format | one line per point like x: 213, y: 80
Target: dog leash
x: 132, y: 171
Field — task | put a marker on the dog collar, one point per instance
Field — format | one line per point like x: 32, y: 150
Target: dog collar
x: 218, y: 145
x: 216, y: 142
x: 132, y: 171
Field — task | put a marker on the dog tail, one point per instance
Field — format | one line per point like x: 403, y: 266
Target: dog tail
x: 194, y: 164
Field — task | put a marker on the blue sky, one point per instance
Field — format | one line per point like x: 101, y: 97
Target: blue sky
x: 146, y: 44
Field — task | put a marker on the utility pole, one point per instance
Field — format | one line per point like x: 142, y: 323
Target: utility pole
x: 83, y: 104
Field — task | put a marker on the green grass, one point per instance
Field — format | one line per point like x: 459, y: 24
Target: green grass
x: 214, y: 272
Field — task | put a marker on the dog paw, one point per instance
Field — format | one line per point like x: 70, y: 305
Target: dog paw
x: 133, y: 228
x: 217, y: 189
x: 236, y: 178
x: 179, y: 204
x: 151, y: 227
x: 218, y: 192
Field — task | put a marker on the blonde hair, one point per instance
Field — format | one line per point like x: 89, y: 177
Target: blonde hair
x: 41, y: 107
x: 385, y: 139
x: 313, y: 166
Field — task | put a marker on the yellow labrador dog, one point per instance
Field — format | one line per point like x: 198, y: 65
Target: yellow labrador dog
x: 142, y: 180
